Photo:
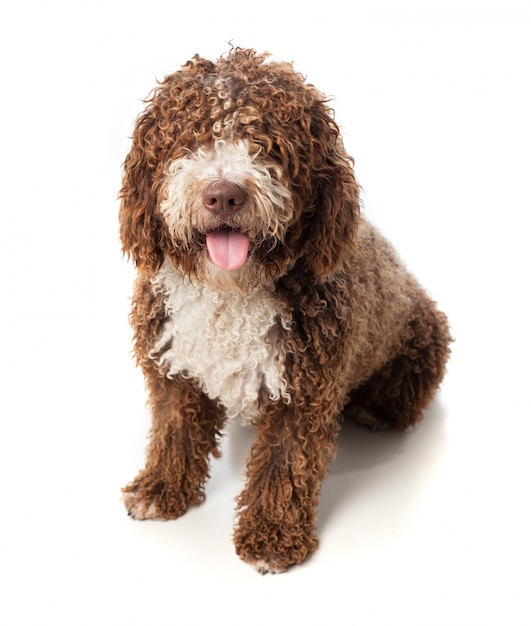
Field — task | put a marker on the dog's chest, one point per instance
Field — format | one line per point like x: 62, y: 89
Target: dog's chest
x: 229, y: 342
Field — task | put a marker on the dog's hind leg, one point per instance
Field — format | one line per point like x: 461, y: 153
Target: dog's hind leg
x: 395, y: 395
x: 185, y: 431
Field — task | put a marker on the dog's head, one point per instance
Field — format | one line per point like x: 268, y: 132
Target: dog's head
x: 237, y: 172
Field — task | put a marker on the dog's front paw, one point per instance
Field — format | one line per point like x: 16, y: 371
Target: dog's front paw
x: 265, y: 567
x: 140, y: 508
x: 150, y: 498
x: 272, y: 547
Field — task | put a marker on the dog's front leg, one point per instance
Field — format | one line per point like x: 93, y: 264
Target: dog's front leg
x: 185, y: 431
x: 277, y: 509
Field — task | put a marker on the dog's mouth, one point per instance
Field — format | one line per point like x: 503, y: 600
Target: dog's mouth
x: 228, y: 247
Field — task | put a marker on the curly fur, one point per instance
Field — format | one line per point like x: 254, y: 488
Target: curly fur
x: 320, y: 319
x: 242, y: 333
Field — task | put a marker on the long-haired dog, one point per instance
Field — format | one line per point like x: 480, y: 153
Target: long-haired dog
x: 262, y: 294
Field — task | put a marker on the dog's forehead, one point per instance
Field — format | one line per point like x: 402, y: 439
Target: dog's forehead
x: 242, y: 90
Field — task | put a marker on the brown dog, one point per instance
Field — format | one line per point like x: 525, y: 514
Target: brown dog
x: 262, y: 294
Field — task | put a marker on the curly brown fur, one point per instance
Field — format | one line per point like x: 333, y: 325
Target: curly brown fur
x: 273, y: 300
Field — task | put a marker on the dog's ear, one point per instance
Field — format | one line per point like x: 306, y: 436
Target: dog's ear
x: 331, y: 227
x: 142, y: 230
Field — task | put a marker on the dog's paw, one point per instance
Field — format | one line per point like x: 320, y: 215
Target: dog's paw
x: 265, y: 567
x: 138, y: 508
x: 277, y: 561
x: 367, y: 419
x: 272, y: 547
x: 149, y: 498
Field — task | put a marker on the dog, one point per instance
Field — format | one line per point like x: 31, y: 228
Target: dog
x: 262, y: 295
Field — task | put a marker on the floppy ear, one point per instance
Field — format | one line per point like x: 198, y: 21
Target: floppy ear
x: 142, y: 229
x: 331, y: 230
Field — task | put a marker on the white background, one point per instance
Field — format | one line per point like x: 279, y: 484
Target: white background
x: 431, y: 527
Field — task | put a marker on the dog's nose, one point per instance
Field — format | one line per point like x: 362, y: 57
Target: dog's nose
x: 222, y: 196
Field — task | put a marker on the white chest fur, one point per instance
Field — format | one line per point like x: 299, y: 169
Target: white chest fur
x: 227, y: 341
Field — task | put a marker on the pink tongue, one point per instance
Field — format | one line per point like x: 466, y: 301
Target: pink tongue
x: 228, y: 248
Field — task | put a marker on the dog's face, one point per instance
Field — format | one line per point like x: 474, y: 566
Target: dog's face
x: 237, y: 172
x: 229, y: 209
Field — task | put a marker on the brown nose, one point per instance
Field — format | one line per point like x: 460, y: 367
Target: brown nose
x: 222, y: 196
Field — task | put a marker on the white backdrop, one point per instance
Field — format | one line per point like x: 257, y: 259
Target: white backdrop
x: 431, y: 527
